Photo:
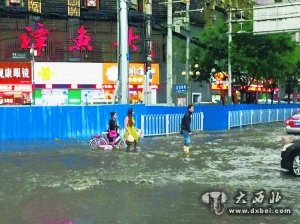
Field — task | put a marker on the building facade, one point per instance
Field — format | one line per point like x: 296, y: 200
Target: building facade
x: 78, y: 31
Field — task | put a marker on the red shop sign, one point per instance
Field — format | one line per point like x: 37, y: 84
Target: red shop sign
x: 15, y: 73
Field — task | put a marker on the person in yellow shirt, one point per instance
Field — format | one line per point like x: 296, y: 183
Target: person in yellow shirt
x: 131, y: 133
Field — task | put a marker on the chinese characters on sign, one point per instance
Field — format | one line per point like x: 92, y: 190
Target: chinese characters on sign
x: 35, y: 39
x: 35, y: 6
x: 181, y: 88
x: 15, y: 73
x: 74, y: 7
x: 82, y: 41
x: 131, y: 37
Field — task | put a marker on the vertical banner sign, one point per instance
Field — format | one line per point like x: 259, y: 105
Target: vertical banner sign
x: 74, y: 7
x: 35, y: 6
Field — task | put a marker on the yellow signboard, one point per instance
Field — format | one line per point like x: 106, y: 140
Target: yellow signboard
x: 35, y: 6
x: 74, y: 7
x: 136, y: 73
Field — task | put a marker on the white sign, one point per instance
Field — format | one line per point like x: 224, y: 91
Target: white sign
x: 276, y: 18
x: 67, y: 73
x: 91, y: 3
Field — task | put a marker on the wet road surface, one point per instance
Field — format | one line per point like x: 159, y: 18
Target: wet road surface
x: 61, y: 182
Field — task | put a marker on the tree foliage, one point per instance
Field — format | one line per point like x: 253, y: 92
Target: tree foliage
x: 253, y: 57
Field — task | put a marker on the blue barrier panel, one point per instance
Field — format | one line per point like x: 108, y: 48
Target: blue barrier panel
x: 215, y: 117
x: 48, y: 122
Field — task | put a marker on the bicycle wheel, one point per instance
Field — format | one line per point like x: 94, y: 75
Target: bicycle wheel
x: 94, y: 144
x: 121, y: 144
x: 103, y: 143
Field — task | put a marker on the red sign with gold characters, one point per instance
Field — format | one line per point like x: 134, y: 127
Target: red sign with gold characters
x: 15, y: 73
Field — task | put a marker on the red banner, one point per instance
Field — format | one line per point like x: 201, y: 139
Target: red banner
x: 15, y: 73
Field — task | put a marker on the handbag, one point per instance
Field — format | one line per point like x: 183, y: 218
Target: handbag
x: 112, y: 134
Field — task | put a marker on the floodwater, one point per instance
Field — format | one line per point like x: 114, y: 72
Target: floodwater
x: 62, y: 182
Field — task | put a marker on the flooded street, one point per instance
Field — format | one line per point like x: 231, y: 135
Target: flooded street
x: 61, y: 182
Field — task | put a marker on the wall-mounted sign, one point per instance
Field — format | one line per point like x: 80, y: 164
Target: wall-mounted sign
x: 131, y: 38
x: 15, y: 88
x: 14, y: 1
x: 15, y: 73
x: 35, y: 6
x: 74, y: 7
x: 82, y: 41
x: 91, y: 3
x: 38, y: 36
x: 136, y: 73
x: 67, y: 73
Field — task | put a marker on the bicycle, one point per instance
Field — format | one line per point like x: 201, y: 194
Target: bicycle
x: 102, y: 142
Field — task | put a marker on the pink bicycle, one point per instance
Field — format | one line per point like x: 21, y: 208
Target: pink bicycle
x: 102, y: 142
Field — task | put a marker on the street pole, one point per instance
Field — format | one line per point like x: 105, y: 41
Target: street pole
x: 229, y: 99
x: 32, y: 52
x: 169, y: 54
x: 116, y: 97
x: 147, y: 99
x: 123, y: 50
x: 187, y: 51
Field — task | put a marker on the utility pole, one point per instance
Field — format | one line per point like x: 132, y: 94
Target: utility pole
x: 169, y: 53
x: 147, y: 99
x: 123, y: 56
x: 229, y: 100
x: 187, y: 52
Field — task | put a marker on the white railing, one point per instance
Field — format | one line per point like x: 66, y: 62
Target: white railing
x: 248, y: 117
x: 164, y: 124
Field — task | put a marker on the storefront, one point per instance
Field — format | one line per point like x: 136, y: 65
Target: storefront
x: 15, y: 83
x: 63, y: 83
x: 136, y: 80
x: 89, y: 83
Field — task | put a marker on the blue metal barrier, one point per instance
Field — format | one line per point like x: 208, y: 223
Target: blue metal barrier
x: 164, y: 124
x: 239, y: 118
x: 81, y: 122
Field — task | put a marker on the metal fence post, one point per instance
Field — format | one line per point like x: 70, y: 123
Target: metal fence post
x: 167, y: 124
x: 143, y: 124
x: 229, y: 118
x: 202, y: 120
x: 241, y: 118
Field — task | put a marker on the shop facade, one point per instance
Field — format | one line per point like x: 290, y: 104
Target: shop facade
x: 136, y: 81
x: 65, y: 83
x: 15, y: 83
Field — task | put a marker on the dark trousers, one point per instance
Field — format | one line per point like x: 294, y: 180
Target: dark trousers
x: 129, y: 144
